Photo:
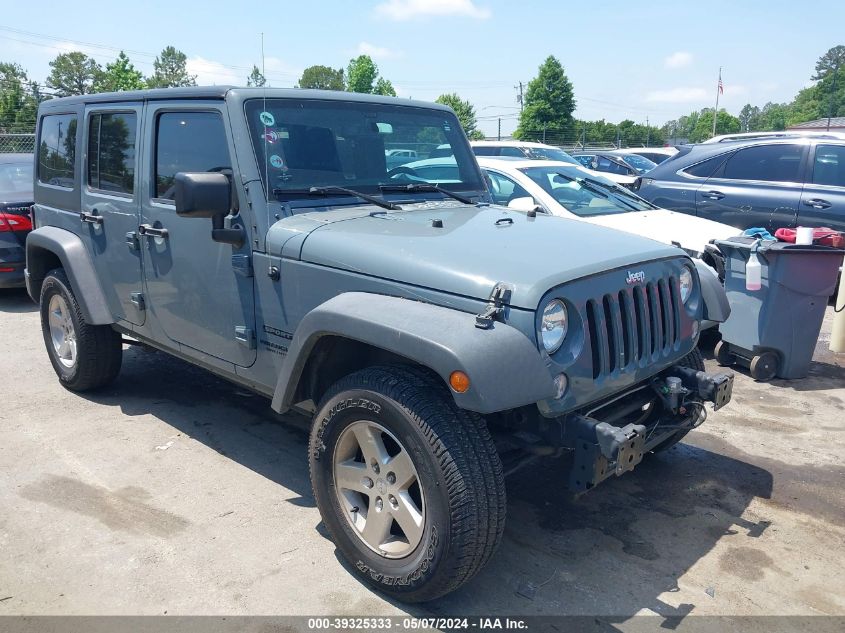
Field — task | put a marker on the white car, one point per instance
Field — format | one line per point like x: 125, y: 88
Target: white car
x: 654, y: 154
x: 570, y: 191
x: 754, y: 136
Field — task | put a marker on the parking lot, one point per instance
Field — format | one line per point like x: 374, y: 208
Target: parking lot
x: 172, y: 491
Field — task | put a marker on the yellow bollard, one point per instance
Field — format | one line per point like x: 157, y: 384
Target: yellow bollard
x: 837, y: 335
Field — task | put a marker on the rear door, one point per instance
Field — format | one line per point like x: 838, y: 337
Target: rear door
x: 823, y: 197
x: 110, y: 205
x: 200, y: 292
x: 757, y: 186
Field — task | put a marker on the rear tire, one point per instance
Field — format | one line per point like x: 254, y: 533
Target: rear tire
x: 84, y: 356
x: 693, y: 360
x: 406, y: 416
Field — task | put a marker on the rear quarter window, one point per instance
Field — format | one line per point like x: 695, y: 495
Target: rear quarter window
x: 57, y: 150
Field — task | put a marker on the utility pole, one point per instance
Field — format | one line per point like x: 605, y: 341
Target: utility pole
x: 499, y: 134
x: 832, y: 96
x: 520, y: 98
x: 647, y: 132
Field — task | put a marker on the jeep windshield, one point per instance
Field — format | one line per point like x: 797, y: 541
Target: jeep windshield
x: 585, y: 196
x: 361, y: 146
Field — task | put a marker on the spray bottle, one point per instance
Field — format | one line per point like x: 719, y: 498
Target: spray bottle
x: 753, y: 270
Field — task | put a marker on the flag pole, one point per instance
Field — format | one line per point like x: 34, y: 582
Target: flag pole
x: 718, y: 90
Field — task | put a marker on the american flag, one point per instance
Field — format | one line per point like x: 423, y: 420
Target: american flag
x: 721, y: 87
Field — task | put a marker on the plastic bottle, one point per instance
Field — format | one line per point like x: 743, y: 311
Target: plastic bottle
x: 753, y: 271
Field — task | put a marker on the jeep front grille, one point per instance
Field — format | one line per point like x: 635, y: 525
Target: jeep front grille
x: 633, y: 326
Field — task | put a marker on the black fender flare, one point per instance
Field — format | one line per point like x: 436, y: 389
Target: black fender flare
x: 73, y: 255
x: 505, y: 368
x: 713, y: 296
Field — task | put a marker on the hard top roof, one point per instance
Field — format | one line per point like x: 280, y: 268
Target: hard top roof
x: 223, y: 92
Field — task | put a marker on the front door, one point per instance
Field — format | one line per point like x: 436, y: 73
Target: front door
x: 199, y: 291
x: 110, y: 205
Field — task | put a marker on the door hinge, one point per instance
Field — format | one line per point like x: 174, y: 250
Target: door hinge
x: 242, y: 265
x: 137, y: 298
x: 495, y: 306
x: 245, y: 336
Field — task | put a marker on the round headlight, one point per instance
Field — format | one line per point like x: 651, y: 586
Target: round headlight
x: 553, y: 325
x: 686, y: 280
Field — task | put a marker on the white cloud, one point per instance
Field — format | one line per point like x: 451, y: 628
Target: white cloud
x: 679, y: 59
x: 678, y: 95
x: 401, y: 10
x: 210, y: 72
x: 376, y: 52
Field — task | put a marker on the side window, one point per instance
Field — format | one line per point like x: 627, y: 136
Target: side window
x: 611, y: 167
x: 57, y: 150
x: 485, y: 151
x: 829, y: 165
x: 188, y: 141
x: 503, y: 189
x: 512, y: 151
x: 777, y: 163
x: 706, y: 168
x: 111, y: 152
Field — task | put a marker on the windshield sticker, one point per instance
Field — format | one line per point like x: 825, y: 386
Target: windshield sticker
x: 276, y: 161
x: 267, y: 119
x: 272, y: 136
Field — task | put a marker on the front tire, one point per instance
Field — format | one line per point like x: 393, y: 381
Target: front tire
x: 410, y: 487
x: 84, y: 356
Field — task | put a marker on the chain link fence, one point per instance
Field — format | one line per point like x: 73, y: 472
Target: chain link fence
x: 17, y: 143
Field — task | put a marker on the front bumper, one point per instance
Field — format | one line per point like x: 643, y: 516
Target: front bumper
x: 602, y: 449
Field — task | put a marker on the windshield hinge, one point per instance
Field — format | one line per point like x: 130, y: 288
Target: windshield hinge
x: 495, y: 306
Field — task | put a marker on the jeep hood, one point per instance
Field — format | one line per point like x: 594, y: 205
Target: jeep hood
x: 475, y: 248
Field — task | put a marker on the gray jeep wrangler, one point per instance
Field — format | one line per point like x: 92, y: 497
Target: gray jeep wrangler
x: 274, y: 238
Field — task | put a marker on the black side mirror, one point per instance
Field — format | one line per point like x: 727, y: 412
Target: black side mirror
x: 202, y: 194
x: 208, y: 195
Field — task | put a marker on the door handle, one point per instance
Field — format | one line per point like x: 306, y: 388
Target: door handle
x: 150, y: 230
x: 91, y: 218
x: 817, y: 203
x: 713, y: 195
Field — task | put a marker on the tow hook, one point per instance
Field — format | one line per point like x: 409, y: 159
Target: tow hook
x: 683, y: 382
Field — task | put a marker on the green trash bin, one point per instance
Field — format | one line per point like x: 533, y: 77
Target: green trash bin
x: 773, y: 331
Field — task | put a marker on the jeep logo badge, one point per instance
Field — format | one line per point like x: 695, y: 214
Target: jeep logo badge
x: 637, y: 277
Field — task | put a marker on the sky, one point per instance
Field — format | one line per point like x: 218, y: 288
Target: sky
x: 643, y: 61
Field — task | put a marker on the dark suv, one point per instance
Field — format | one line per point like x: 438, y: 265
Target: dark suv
x: 771, y: 183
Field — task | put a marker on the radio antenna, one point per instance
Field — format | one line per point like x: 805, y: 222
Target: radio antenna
x: 264, y: 132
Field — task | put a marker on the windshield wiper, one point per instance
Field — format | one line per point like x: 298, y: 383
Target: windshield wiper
x: 342, y: 191
x: 426, y: 186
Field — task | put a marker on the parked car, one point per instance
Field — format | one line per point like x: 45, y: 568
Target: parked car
x: 569, y: 191
x: 15, y: 221
x: 769, y: 183
x: 395, y: 157
x: 520, y: 149
x: 655, y: 154
x: 259, y: 234
x: 606, y: 164
x: 753, y: 136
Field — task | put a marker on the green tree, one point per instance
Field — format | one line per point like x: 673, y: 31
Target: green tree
x: 549, y: 104
x: 830, y: 62
x: 322, y: 78
x: 255, y: 78
x: 119, y: 75
x: 725, y: 124
x: 384, y: 87
x: 465, y: 112
x: 361, y: 74
x: 19, y: 99
x: 73, y: 73
x: 171, y: 70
